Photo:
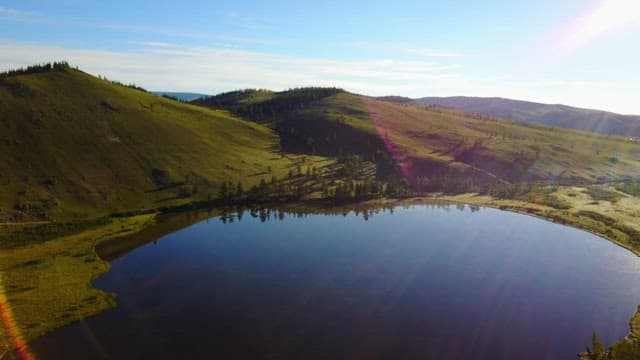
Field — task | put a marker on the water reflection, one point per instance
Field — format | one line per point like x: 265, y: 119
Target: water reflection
x: 440, y: 281
x: 366, y: 211
x: 172, y: 222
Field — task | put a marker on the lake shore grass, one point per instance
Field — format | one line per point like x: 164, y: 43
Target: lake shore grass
x: 49, y: 284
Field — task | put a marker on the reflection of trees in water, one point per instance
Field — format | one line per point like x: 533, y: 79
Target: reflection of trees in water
x: 366, y: 211
x: 171, y: 222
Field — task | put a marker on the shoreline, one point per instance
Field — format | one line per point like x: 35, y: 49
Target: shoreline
x: 149, y: 224
x: 522, y: 211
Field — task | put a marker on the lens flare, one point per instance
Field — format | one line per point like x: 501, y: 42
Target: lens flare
x: 10, y: 327
x: 610, y: 15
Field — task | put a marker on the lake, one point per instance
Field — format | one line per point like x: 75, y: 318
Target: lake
x: 416, y: 282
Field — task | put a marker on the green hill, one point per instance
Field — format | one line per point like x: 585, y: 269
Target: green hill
x: 73, y: 146
x: 435, y: 149
x: 429, y: 137
x: 76, y: 147
x: 325, y: 121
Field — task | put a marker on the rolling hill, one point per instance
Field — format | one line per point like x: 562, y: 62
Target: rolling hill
x: 435, y: 148
x: 76, y: 147
x: 326, y: 121
x: 552, y: 115
x: 73, y: 146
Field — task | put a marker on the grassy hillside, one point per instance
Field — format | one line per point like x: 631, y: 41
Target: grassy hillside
x: 73, y: 146
x: 428, y: 141
x: 552, y: 115
x: 324, y: 121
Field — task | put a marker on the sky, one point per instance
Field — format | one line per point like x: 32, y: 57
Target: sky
x: 578, y: 52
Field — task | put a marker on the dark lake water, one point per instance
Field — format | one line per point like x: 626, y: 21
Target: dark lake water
x: 423, y: 282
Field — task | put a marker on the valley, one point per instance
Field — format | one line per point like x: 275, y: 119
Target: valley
x: 85, y: 162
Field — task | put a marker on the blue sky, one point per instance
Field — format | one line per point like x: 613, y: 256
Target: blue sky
x: 578, y: 52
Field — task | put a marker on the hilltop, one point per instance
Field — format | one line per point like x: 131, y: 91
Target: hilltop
x: 548, y: 114
x: 73, y: 147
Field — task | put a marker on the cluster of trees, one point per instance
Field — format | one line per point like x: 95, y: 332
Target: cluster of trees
x: 452, y: 183
x: 275, y: 190
x: 628, y: 349
x: 230, y: 99
x: 282, y: 102
x: 366, y: 189
x: 34, y: 69
x: 167, y: 96
x: 230, y: 193
x: 115, y: 82
x: 354, y: 190
x: 351, y: 164
x: 305, y: 126
x: 398, y: 188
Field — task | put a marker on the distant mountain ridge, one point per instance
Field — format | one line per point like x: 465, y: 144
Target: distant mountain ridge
x: 549, y: 114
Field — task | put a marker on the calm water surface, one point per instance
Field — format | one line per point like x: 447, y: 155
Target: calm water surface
x: 422, y: 282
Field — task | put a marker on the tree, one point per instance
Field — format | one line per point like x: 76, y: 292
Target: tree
x: 224, y: 191
x: 597, y: 352
x: 263, y: 189
x: 239, y: 191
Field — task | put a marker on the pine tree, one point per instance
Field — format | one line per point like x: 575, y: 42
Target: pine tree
x: 224, y: 190
x: 239, y: 191
x: 597, y: 352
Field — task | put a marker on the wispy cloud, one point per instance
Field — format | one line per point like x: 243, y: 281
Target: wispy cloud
x: 162, y: 65
x: 432, y: 52
x: 187, y: 34
x: 10, y: 14
x: 406, y: 50
x: 169, y: 66
x: 219, y: 38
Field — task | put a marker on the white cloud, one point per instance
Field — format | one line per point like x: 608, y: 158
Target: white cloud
x: 161, y: 65
x: 166, y: 66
